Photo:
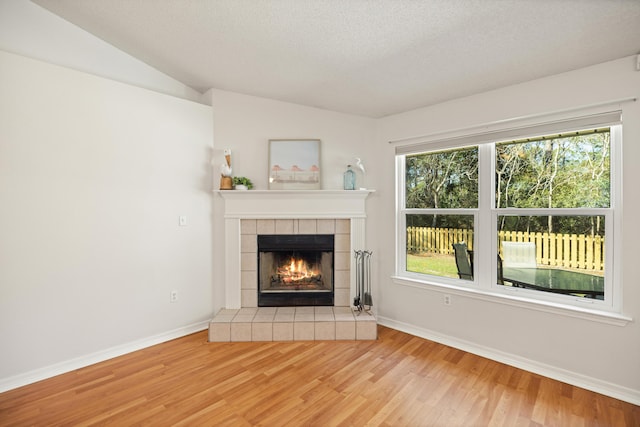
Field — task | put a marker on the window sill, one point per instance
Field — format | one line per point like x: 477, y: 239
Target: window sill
x: 517, y: 301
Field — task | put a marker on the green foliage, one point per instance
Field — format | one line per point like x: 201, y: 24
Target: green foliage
x: 440, y: 221
x: 561, y: 172
x: 566, y: 171
x: 564, y: 224
x: 557, y: 171
x: 445, y: 179
x: 241, y: 180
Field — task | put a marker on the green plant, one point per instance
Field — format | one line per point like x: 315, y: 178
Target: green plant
x: 241, y: 180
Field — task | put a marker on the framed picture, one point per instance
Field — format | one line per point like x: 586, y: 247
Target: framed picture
x: 294, y: 164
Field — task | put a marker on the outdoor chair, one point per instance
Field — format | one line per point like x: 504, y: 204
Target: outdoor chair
x: 518, y: 254
x: 500, y: 271
x: 464, y: 261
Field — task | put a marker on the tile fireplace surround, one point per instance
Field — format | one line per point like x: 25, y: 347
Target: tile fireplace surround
x: 249, y: 213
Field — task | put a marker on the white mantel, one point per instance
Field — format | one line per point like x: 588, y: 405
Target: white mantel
x: 294, y: 203
x: 286, y: 204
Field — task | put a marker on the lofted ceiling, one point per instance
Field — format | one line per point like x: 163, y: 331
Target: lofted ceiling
x: 366, y: 57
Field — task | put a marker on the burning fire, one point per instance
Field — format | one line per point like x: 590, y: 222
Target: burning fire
x: 296, y: 270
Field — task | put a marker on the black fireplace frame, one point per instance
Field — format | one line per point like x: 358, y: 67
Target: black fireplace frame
x: 296, y: 242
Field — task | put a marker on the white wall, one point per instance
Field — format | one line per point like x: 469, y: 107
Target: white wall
x: 592, y: 354
x: 93, y: 177
x: 30, y: 30
x: 246, y: 123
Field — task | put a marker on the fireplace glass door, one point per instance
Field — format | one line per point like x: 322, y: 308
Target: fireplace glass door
x: 295, y: 270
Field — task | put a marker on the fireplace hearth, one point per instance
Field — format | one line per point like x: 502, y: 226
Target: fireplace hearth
x: 295, y: 270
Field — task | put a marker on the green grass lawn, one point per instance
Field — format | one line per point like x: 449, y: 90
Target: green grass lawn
x: 436, y: 264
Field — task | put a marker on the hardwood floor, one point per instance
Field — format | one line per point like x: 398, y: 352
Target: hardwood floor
x: 398, y: 380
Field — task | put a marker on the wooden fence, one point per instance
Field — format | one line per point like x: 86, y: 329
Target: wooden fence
x: 576, y: 251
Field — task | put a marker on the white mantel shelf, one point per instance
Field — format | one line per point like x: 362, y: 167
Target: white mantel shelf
x: 294, y: 203
x: 243, y: 193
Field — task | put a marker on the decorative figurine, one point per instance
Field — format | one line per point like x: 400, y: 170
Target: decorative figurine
x: 226, y: 182
x: 360, y: 166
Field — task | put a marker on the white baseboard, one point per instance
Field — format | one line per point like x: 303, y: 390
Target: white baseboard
x: 573, y: 378
x: 100, y: 356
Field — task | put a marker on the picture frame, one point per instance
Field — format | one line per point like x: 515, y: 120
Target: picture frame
x: 294, y: 164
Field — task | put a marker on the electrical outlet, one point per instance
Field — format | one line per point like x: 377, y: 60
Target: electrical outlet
x: 182, y: 220
x: 447, y: 300
x: 173, y: 296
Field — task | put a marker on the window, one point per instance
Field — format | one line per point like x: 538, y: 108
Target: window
x: 441, y: 197
x: 530, y: 215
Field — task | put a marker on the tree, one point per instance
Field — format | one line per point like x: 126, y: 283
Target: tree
x: 563, y: 171
x: 445, y: 179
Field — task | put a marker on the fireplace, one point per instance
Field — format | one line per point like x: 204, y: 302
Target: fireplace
x: 248, y: 214
x: 295, y: 270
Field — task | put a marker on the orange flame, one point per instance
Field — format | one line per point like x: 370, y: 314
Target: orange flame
x: 296, y: 270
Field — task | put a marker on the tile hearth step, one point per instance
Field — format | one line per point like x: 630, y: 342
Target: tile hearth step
x: 292, y: 324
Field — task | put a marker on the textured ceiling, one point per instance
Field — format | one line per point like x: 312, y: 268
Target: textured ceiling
x: 366, y: 57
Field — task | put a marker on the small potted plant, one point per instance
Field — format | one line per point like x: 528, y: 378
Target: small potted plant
x: 242, y: 183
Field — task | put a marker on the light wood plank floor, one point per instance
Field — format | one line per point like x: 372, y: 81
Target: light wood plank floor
x: 398, y: 380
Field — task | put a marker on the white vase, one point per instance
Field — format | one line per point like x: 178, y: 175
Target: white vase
x: 241, y: 187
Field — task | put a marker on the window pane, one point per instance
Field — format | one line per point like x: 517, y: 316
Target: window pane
x: 444, y: 179
x: 430, y: 240
x: 561, y: 171
x: 560, y: 254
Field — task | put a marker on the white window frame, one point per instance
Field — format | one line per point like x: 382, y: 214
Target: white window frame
x: 484, y: 284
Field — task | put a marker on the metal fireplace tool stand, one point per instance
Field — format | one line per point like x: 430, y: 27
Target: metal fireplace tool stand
x: 363, y: 301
